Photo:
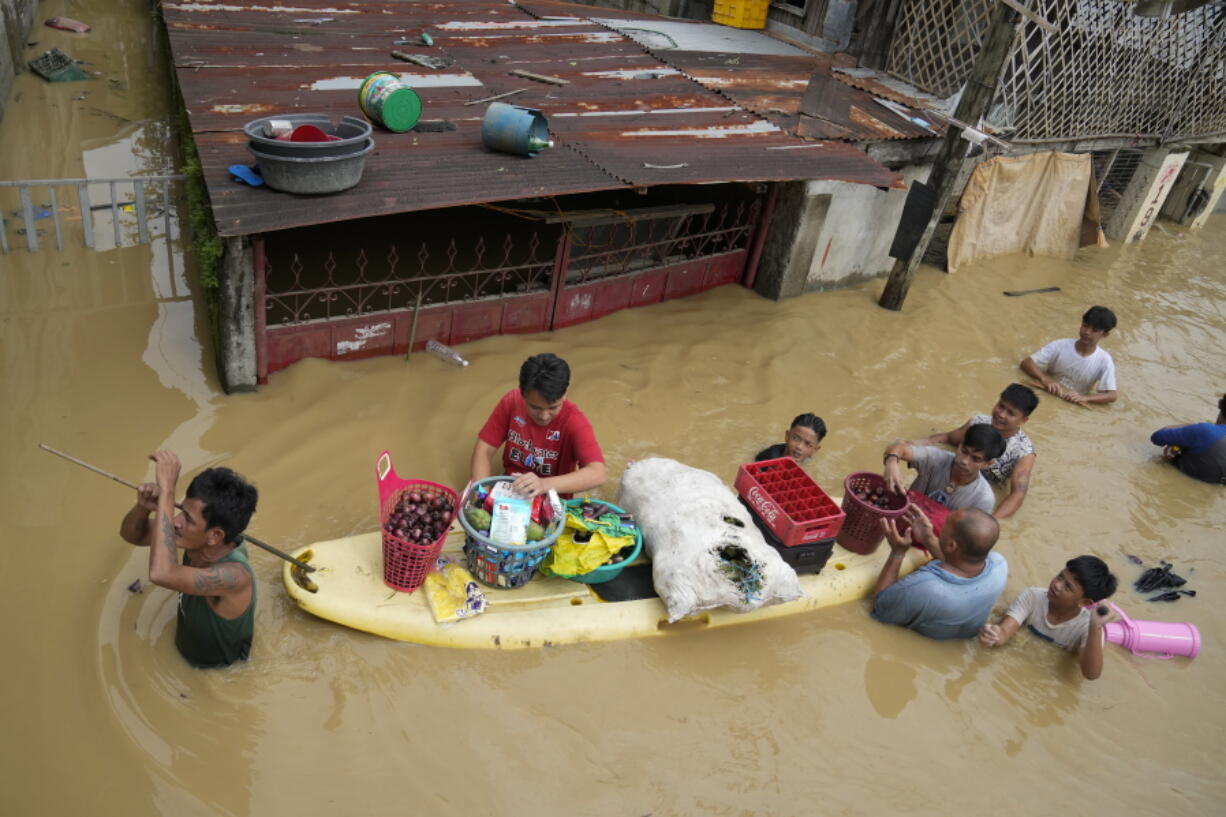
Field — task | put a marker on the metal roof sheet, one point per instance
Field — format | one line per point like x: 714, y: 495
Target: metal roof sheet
x: 624, y: 118
x: 774, y: 87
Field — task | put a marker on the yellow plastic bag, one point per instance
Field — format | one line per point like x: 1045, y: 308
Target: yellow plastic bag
x: 571, y: 558
x: 453, y: 593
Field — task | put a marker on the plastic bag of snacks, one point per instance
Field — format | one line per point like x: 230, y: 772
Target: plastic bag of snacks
x: 510, y: 516
x: 453, y: 593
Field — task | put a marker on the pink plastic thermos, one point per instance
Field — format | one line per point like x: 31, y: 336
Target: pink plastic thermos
x: 1167, y: 638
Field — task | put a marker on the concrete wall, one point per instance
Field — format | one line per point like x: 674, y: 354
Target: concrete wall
x: 791, y: 239
x: 16, y: 18
x: 236, y: 319
x: 826, y: 234
x: 853, y: 242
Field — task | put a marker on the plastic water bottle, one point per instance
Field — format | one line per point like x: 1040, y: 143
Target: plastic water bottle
x: 445, y: 352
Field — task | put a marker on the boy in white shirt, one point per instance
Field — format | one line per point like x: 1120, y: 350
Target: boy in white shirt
x: 1073, y: 369
x: 1059, y: 614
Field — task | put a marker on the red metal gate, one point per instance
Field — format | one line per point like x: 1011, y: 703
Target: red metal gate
x: 618, y: 261
x: 352, y: 303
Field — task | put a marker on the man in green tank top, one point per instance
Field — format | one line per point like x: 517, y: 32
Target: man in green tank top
x: 216, y: 618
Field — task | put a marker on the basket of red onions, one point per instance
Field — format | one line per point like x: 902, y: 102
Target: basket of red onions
x: 415, y: 516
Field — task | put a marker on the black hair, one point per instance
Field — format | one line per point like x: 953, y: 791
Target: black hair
x: 811, y: 421
x: 985, y: 439
x: 1100, y: 318
x: 976, y: 532
x: 545, y: 373
x: 1095, y: 578
x: 229, y: 500
x: 1021, y: 398
x: 1221, y: 404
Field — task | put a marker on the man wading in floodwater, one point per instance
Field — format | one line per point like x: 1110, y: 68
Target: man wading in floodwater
x: 216, y: 588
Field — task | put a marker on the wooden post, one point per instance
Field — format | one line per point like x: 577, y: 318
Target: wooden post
x: 976, y: 97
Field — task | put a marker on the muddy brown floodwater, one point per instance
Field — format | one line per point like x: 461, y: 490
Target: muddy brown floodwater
x: 104, y: 356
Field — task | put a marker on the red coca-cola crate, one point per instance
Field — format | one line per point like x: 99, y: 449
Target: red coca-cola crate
x: 787, y: 499
x: 935, y: 511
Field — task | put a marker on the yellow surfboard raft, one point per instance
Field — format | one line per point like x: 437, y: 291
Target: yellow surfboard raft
x: 347, y: 588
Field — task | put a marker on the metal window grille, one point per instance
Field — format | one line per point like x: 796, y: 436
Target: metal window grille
x: 1113, y: 171
x: 325, y: 281
x: 632, y: 245
x: 304, y: 287
x: 1104, y: 72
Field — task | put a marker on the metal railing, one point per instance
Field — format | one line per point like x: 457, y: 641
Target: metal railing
x: 333, y: 284
x: 150, y: 197
x: 634, y: 244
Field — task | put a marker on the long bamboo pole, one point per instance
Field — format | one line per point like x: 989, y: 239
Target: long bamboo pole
x: 246, y: 536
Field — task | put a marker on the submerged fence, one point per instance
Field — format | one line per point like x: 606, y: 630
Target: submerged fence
x: 1100, y: 70
x: 132, y: 205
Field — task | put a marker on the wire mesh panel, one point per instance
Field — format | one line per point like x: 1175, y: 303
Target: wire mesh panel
x: 935, y: 43
x: 1113, y: 170
x: 1103, y: 71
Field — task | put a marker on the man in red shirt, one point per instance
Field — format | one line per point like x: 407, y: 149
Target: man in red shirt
x: 548, y: 441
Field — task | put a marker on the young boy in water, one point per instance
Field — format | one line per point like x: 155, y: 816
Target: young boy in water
x: 1059, y: 614
x: 1073, y: 369
x: 955, y: 479
x: 1012, y: 410
x: 802, y: 440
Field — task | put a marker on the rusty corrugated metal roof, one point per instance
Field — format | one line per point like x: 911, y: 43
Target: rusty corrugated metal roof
x: 885, y: 86
x: 625, y: 118
x: 773, y: 86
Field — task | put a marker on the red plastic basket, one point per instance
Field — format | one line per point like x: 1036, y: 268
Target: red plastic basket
x: 862, y: 531
x: 405, y: 564
x: 933, y: 509
x: 787, y: 499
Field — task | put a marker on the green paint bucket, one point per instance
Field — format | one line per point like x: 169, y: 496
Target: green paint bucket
x: 387, y: 101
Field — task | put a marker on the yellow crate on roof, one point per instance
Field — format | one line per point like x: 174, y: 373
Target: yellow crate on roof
x: 740, y: 13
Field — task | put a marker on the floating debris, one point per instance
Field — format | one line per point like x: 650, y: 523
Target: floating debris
x: 1172, y: 595
x: 56, y: 66
x: 1158, y: 577
x: 67, y: 24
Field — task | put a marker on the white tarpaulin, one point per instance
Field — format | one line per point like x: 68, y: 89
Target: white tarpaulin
x: 1032, y: 204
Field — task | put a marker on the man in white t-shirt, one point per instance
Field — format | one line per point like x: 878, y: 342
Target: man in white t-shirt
x: 1078, y: 370
x: 1058, y: 613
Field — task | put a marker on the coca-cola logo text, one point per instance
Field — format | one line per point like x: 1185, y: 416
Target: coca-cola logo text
x: 765, y: 507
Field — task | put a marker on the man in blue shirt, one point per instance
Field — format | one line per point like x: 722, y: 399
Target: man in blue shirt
x: 951, y: 596
x: 1198, y: 449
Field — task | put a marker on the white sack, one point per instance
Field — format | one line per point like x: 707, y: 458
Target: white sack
x: 682, y: 512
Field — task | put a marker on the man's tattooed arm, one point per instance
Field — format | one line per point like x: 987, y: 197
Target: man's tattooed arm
x: 217, y: 579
